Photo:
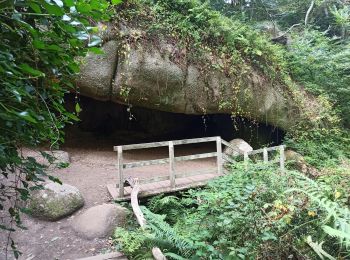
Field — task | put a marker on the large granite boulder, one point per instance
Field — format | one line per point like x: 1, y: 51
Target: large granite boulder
x: 149, y: 77
x: 55, y: 201
x: 239, y: 146
x: 100, y: 221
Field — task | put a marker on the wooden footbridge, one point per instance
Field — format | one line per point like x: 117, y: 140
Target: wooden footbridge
x: 174, y: 180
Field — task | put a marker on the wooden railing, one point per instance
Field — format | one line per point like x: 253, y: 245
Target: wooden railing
x: 172, y: 160
x: 263, y: 151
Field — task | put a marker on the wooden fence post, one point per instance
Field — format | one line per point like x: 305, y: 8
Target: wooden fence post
x: 282, y: 158
x: 172, y: 164
x: 265, y: 155
x: 246, y: 159
x: 120, y: 171
x: 219, y: 155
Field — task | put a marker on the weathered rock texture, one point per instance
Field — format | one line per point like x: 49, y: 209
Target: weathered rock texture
x: 239, y: 146
x: 150, y: 78
x: 100, y: 221
x: 55, y: 201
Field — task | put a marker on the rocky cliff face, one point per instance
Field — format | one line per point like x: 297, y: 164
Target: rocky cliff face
x: 150, y: 78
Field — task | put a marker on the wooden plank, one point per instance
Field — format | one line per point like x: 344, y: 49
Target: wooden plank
x: 219, y: 155
x: 160, y: 144
x: 246, y: 158
x: 113, y: 191
x: 157, y: 253
x: 145, y: 163
x: 171, y: 165
x: 166, y: 160
x: 282, y: 158
x: 227, y: 158
x: 195, y: 156
x: 188, y: 174
x: 265, y: 155
x: 164, y: 187
x: 195, y: 140
x: 108, y: 256
x: 120, y: 171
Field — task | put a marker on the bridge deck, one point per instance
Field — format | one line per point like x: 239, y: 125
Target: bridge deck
x: 175, y: 179
x: 149, y: 189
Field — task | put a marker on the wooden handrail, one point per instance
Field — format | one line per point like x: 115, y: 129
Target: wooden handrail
x: 165, y: 143
x: 134, y: 183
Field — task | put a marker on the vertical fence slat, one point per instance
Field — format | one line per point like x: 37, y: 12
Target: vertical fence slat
x: 282, y: 158
x: 219, y: 155
x: 172, y: 164
x: 246, y: 159
x: 265, y: 155
x: 120, y: 171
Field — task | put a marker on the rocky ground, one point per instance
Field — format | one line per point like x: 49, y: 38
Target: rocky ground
x: 92, y: 167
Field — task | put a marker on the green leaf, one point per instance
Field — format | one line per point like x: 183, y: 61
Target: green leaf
x: 69, y: 3
x: 116, y: 2
x: 84, y: 8
x: 29, y: 70
x: 36, y: 8
x: 53, y: 9
x: 26, y: 116
x: 77, y: 108
x: 39, y: 44
x: 96, y: 50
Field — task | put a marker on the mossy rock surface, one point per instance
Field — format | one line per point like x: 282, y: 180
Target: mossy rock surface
x: 55, y: 201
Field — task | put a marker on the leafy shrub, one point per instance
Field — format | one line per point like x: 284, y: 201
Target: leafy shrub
x: 254, y: 213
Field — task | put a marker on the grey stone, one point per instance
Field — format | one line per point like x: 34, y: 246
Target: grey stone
x: 296, y: 160
x: 155, y: 78
x: 100, y: 221
x: 239, y: 147
x: 55, y: 201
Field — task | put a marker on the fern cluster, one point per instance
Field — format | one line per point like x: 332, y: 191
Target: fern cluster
x: 249, y: 214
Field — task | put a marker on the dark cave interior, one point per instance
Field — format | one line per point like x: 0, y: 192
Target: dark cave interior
x: 105, y: 122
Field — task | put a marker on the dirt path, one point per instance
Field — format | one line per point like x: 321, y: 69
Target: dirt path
x: 91, y: 169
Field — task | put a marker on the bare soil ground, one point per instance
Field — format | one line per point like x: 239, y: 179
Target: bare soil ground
x: 92, y: 168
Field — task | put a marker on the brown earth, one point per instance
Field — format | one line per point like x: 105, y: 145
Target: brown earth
x: 92, y: 168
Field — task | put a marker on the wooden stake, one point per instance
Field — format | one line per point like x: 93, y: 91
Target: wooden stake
x: 246, y: 159
x: 120, y: 171
x: 171, y: 164
x: 282, y: 158
x: 219, y: 155
x: 265, y: 155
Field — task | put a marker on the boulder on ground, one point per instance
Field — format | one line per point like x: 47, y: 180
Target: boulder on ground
x: 239, y: 146
x: 296, y: 160
x: 55, y: 201
x: 100, y: 221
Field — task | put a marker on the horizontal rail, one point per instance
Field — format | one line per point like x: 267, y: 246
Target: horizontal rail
x: 269, y: 149
x: 167, y: 177
x: 166, y: 160
x: 165, y: 143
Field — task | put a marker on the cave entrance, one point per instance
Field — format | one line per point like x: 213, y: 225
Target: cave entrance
x: 104, y: 124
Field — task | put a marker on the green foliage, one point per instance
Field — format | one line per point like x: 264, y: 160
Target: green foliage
x: 205, y: 34
x: 322, y: 66
x: 40, y: 46
x: 254, y: 213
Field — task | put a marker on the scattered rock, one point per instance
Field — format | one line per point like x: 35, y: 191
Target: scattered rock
x: 240, y: 146
x: 296, y: 160
x: 100, y: 221
x: 55, y: 201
